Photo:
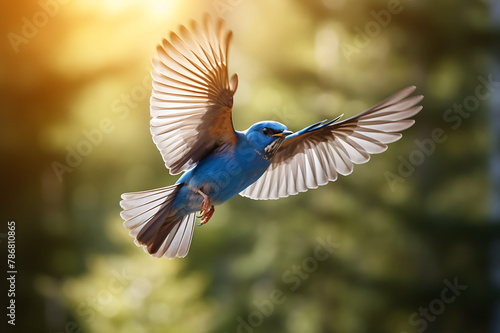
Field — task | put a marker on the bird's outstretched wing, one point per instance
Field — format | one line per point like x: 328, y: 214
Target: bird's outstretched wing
x: 192, y: 94
x: 314, y: 155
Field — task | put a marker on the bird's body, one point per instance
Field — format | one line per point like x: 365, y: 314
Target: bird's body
x: 191, y: 110
x: 221, y: 175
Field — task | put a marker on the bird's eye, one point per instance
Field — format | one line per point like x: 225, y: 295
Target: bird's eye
x: 265, y: 131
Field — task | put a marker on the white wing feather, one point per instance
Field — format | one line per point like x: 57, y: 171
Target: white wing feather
x: 314, y: 158
x: 192, y: 95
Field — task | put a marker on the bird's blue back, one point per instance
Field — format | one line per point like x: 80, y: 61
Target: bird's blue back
x: 221, y: 175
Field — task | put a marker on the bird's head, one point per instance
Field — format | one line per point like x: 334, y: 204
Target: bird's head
x: 266, y: 137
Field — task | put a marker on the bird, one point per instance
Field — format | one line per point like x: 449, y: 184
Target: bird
x: 191, y: 124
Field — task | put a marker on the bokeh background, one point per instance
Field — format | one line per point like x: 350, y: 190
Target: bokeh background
x: 74, y: 96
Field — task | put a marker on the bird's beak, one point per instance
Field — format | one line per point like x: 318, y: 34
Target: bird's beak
x: 283, y: 134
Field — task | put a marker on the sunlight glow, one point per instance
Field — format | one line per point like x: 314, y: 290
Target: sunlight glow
x: 116, y: 7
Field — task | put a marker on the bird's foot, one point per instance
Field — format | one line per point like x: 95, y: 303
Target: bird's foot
x: 206, y: 215
x: 207, y: 210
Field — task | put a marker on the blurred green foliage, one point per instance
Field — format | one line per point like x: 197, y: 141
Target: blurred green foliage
x: 78, y: 81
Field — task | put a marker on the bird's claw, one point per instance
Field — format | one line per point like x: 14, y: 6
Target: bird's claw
x: 206, y: 215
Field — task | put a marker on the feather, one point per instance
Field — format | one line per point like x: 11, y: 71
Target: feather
x: 154, y: 224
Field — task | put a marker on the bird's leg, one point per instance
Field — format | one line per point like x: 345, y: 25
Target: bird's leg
x: 205, y: 204
x: 207, y: 210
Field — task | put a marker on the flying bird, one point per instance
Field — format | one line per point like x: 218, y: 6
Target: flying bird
x: 191, y: 124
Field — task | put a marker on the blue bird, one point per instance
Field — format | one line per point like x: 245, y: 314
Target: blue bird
x: 191, y: 124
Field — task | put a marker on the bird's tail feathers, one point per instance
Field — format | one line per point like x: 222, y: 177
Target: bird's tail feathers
x: 154, y: 224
